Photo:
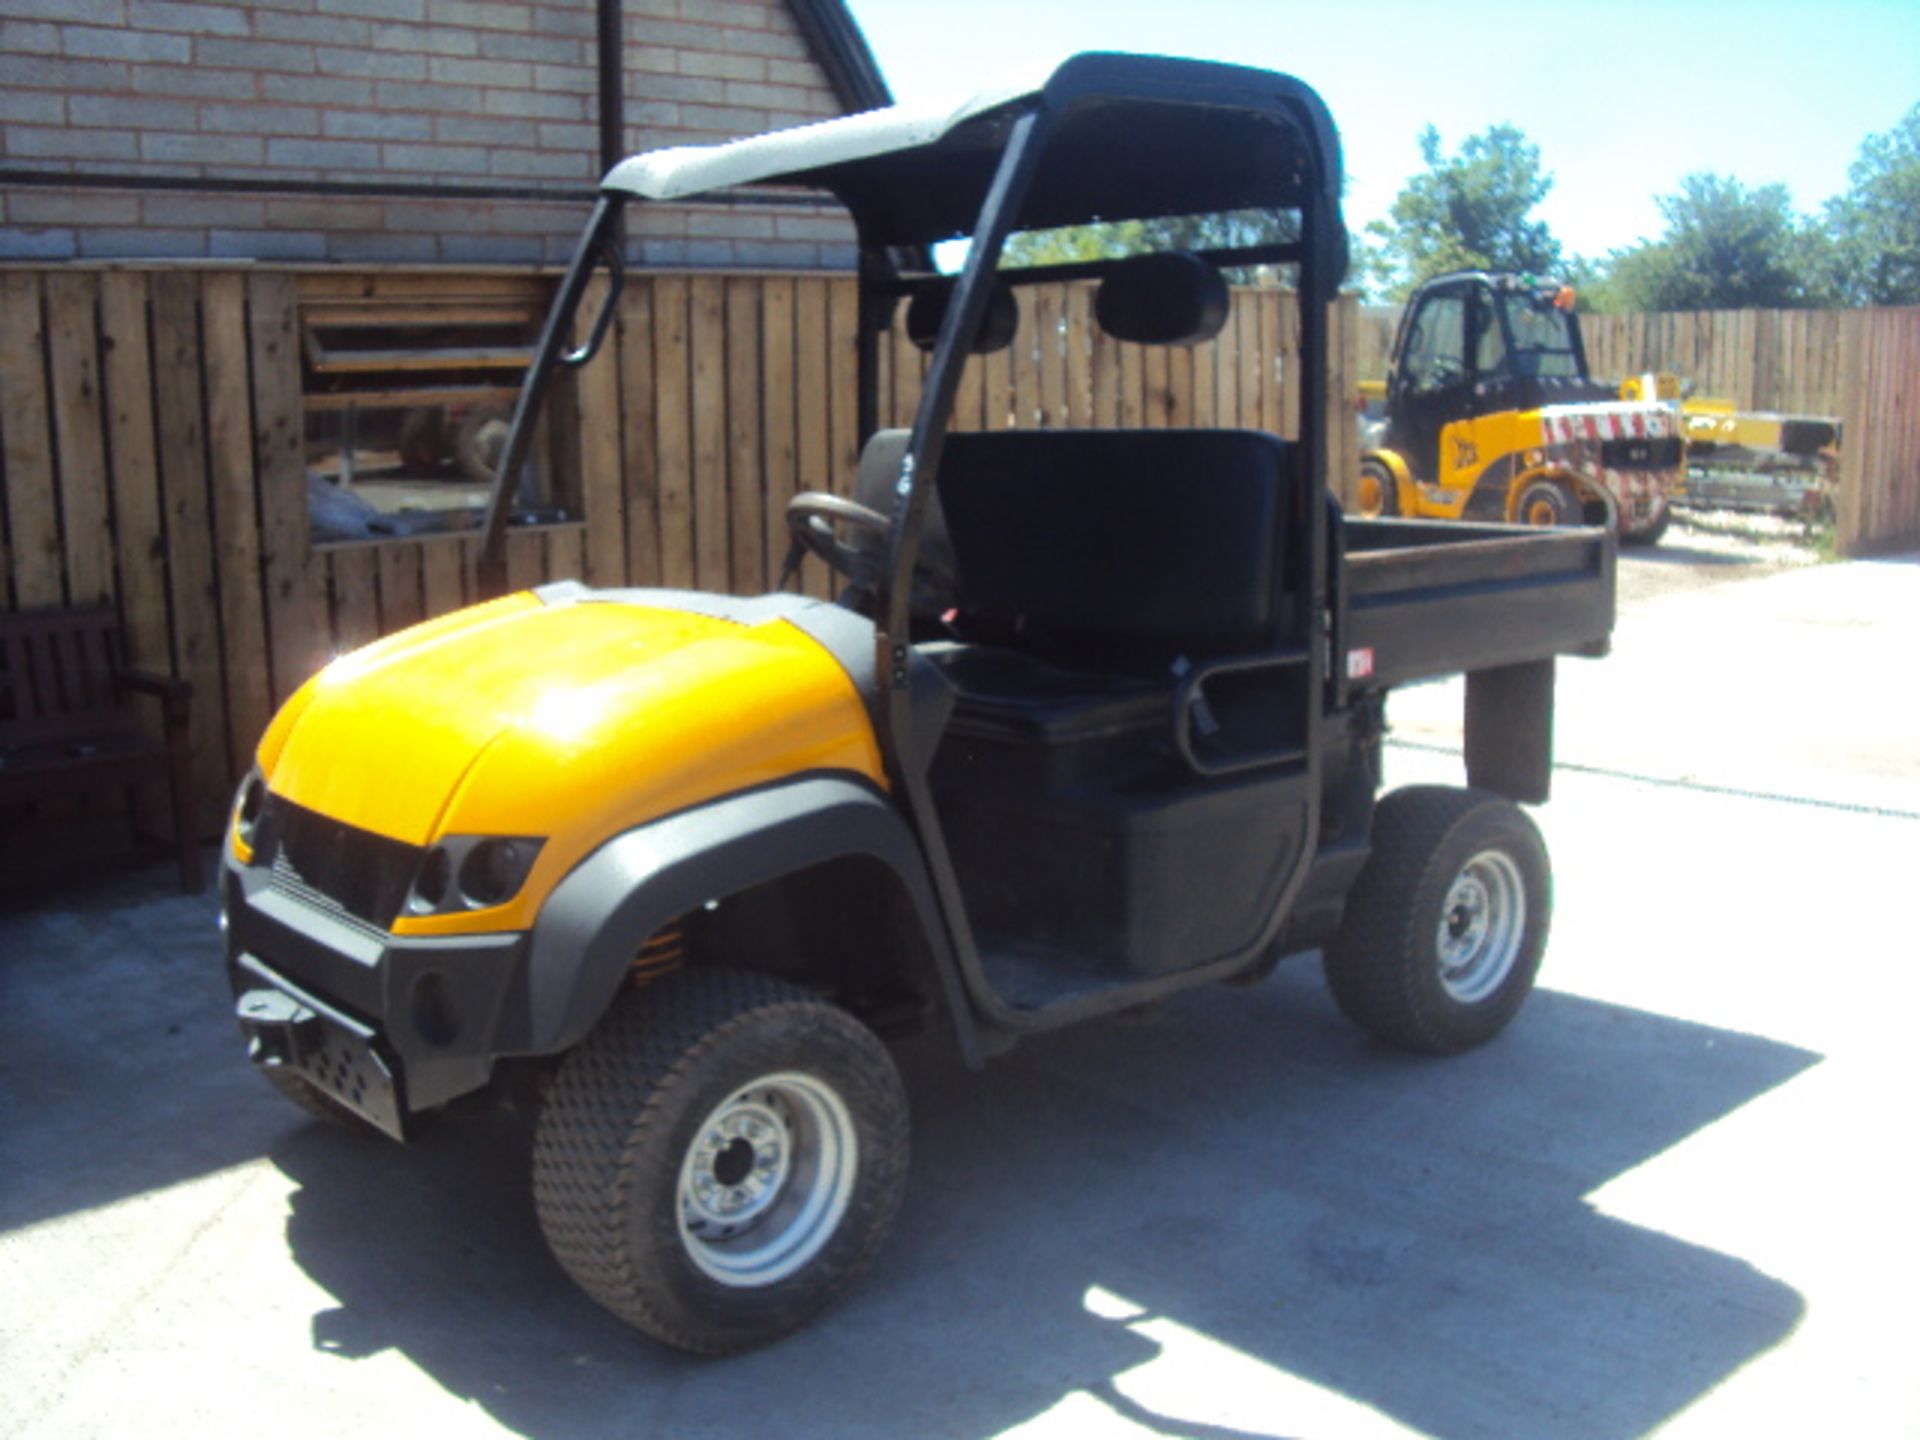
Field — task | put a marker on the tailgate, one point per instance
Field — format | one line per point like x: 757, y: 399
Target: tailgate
x: 1425, y: 598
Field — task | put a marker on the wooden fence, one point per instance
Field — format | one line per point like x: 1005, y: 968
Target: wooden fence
x: 153, y: 438
x: 1860, y: 365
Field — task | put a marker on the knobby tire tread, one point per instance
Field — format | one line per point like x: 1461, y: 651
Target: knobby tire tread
x: 609, y: 1101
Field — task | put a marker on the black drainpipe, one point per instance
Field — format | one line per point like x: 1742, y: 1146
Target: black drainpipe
x: 613, y: 107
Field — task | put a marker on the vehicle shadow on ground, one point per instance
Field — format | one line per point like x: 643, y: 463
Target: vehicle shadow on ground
x: 1668, y: 552
x: 1246, y: 1171
x: 112, y: 998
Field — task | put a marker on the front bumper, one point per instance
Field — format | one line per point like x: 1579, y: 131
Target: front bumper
x: 388, y: 1026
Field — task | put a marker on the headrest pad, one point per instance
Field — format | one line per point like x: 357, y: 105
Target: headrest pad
x: 1172, y: 298
x: 929, y: 307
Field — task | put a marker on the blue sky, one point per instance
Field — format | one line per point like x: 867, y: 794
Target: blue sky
x: 1623, y: 99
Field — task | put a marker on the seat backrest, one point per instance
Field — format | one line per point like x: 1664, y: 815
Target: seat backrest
x: 1118, y: 546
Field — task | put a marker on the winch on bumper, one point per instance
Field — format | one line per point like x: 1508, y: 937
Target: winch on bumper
x: 384, y: 1025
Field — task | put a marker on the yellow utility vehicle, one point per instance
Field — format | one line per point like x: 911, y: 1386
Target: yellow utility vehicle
x: 1491, y: 415
x: 1096, y: 719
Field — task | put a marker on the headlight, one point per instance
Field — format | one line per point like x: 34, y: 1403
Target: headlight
x: 472, y: 872
x: 248, y: 803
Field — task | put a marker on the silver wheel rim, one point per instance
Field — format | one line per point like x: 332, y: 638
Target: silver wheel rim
x: 1481, y: 925
x: 767, y: 1180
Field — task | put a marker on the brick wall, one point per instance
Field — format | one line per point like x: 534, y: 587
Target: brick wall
x: 498, y: 93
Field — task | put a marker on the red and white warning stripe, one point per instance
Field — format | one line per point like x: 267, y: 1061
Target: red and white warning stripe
x: 1618, y: 420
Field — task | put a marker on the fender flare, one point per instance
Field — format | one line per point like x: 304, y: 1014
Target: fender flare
x: 611, y: 903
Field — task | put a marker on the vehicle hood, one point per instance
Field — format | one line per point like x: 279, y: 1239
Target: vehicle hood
x: 569, y: 721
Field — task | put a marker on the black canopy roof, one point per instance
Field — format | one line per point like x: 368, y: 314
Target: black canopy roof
x: 1132, y: 137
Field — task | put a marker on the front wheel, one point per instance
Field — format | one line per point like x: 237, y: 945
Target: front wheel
x: 721, y: 1158
x: 1445, y: 927
x: 1650, y: 533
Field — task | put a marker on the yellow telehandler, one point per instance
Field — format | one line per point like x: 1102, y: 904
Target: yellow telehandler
x: 1490, y: 415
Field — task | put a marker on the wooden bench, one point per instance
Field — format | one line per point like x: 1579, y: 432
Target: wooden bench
x: 68, y: 721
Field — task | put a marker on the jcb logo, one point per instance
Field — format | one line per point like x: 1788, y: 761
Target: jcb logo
x: 1464, y: 454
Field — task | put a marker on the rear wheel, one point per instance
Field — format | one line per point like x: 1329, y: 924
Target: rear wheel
x: 1375, y: 494
x: 721, y: 1158
x: 1547, y: 502
x: 1445, y: 928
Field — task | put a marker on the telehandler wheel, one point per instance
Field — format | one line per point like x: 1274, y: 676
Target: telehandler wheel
x: 720, y: 1158
x: 1446, y: 925
x: 1547, y: 502
x: 1649, y: 534
x: 1375, y: 496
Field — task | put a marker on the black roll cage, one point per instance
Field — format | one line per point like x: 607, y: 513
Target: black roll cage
x: 1023, y: 129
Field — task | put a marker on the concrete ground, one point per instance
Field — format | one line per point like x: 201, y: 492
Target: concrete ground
x: 1675, y: 1197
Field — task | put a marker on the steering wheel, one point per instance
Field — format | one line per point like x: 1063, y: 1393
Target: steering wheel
x: 814, y: 517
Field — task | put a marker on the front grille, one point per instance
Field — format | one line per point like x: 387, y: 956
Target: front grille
x: 335, y: 866
x: 1660, y: 454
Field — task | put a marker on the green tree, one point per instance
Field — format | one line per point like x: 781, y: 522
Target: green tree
x: 1726, y: 247
x: 1076, y: 244
x: 1467, y: 211
x: 1875, y: 226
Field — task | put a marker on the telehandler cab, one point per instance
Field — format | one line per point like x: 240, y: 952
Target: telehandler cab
x: 1491, y: 415
x: 1097, y: 719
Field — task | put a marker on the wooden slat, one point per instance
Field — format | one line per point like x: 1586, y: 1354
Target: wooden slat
x: 780, y: 440
x: 814, y: 427
x: 74, y: 377
x: 1290, y: 372
x: 316, y: 286
x: 640, y: 459
x: 1158, y: 413
x: 707, y: 332
x: 33, y: 516
x: 402, y: 599
x: 1271, y: 407
x: 1227, y: 362
x: 1180, y: 387
x: 1133, y: 386
x: 1850, y: 531
x: 440, y: 577
x: 998, y: 403
x: 1051, y: 355
x: 1024, y: 354
x: 297, y: 643
x: 1246, y: 320
x: 464, y: 357
x: 603, y: 500
x: 353, y: 586
x: 192, y: 582
x: 746, y: 476
x: 335, y: 400
x: 1206, y: 361
x: 526, y: 559
x: 969, y: 397
x: 1106, y: 379
x: 565, y: 552
x: 673, y: 417
x: 359, y: 314
x: 135, y: 475
x: 843, y: 319
x: 1079, y: 331
x: 236, y: 518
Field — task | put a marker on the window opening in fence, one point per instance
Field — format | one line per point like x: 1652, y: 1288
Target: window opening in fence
x: 408, y: 396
